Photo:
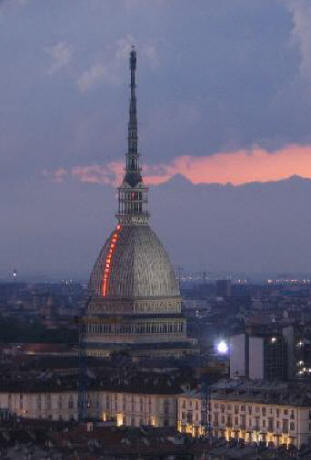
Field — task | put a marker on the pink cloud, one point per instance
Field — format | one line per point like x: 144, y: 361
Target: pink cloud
x: 57, y: 176
x: 97, y: 174
x: 240, y: 167
x: 237, y: 167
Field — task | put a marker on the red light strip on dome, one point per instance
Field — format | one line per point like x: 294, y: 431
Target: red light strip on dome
x: 108, y: 260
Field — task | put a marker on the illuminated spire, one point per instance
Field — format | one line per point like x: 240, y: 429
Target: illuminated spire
x: 133, y: 195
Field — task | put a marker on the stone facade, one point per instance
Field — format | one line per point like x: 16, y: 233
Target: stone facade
x: 131, y: 409
x: 191, y: 413
x: 231, y: 417
x: 268, y: 423
x: 272, y: 413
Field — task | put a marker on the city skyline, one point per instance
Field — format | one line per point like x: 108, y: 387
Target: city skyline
x: 223, y: 127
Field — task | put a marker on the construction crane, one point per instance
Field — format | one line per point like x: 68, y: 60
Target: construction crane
x: 83, y: 402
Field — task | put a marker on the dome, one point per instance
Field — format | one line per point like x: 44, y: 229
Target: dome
x: 133, y: 264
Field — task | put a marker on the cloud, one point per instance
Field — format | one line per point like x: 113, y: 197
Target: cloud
x: 96, y: 174
x: 57, y: 176
x: 13, y: 2
x: 61, y: 55
x: 110, y: 68
x: 88, y: 79
x: 240, y: 167
x: 301, y: 13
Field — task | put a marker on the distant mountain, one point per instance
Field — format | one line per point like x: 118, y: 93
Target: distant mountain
x: 256, y: 227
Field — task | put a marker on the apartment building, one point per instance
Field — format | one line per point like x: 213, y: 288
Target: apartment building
x: 191, y: 406
x: 131, y: 409
x: 273, y: 413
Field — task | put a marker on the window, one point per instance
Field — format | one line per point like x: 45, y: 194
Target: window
x: 236, y: 420
x: 222, y: 409
x: 285, y: 412
x: 222, y: 419
x: 250, y: 410
x: 292, y: 426
x: 292, y: 414
x: 278, y: 412
x: 257, y: 409
x: 236, y: 409
x: 263, y: 411
x: 166, y: 406
x: 242, y: 408
x: 228, y: 406
x: 285, y: 426
x: 39, y: 402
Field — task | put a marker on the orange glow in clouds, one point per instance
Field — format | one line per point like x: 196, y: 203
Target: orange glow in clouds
x: 256, y: 165
x: 238, y: 167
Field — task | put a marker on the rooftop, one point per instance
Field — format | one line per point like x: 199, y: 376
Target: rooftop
x: 282, y: 393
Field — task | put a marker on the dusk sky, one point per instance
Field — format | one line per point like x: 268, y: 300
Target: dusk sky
x: 224, y: 110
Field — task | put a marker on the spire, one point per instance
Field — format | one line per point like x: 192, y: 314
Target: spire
x: 133, y: 174
x: 133, y: 195
x: 132, y: 127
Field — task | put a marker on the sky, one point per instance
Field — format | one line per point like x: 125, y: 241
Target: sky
x: 224, y: 109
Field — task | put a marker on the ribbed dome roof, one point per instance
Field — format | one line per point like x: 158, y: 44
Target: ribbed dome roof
x: 136, y: 264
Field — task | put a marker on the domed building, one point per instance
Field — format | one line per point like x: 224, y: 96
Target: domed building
x: 135, y: 303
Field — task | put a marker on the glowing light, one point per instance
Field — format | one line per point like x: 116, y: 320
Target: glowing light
x: 222, y: 347
x: 119, y: 419
x: 273, y: 339
x: 108, y: 261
